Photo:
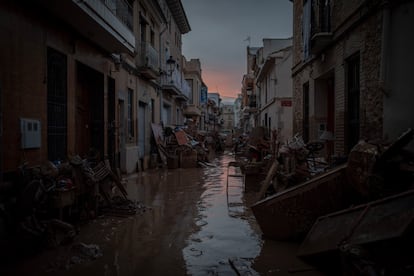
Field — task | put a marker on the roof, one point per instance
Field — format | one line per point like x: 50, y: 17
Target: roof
x: 177, y: 10
x: 252, y: 50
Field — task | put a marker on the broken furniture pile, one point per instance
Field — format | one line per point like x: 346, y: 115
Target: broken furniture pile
x: 375, y: 235
x: 182, y: 147
x: 44, y: 203
x: 255, y: 152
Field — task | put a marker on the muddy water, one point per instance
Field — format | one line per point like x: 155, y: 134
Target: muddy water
x: 193, y: 224
x: 225, y: 236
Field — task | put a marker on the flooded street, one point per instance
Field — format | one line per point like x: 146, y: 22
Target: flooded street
x: 225, y: 234
x: 191, y: 224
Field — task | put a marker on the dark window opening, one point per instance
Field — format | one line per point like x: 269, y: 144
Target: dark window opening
x: 111, y: 131
x: 353, y: 103
x: 130, y: 122
x: 305, y: 123
x: 324, y: 16
x: 56, y: 105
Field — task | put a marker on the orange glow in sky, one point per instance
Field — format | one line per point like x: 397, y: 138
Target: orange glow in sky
x: 222, y: 30
x: 222, y: 82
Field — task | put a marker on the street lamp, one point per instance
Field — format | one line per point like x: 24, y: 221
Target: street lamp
x: 171, y: 65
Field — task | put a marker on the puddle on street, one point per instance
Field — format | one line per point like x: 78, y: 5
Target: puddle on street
x: 225, y: 238
x: 191, y: 224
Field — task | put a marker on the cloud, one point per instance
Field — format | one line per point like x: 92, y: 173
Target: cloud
x: 219, y: 28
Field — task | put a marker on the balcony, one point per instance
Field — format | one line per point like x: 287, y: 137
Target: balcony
x: 107, y: 23
x: 321, y: 35
x: 320, y: 41
x: 247, y: 110
x: 147, y: 61
x: 176, y: 85
x: 192, y: 110
x: 248, y: 81
x: 251, y: 106
x: 185, y: 91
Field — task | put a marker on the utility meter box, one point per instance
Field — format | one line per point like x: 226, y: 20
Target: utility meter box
x: 31, y: 133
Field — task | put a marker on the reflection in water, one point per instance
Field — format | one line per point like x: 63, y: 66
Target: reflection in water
x: 190, y: 224
x: 224, y: 235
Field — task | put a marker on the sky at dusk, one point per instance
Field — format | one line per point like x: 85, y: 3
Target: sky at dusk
x: 219, y: 29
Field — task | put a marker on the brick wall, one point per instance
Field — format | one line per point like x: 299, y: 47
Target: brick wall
x: 365, y: 39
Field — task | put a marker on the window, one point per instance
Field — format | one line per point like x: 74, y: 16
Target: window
x: 306, y: 28
x: 152, y: 38
x: 353, y: 103
x: 305, y: 122
x: 152, y: 110
x: 166, y: 114
x: 56, y: 105
x: 190, y: 98
x: 130, y: 121
x: 324, y: 15
x: 143, y: 32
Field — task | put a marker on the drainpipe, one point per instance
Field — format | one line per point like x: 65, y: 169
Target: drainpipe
x: 384, y: 65
x: 159, y: 54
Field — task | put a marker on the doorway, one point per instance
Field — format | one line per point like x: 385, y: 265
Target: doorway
x: 325, y: 103
x: 111, y: 130
x: 353, y: 102
x: 56, y: 105
x: 89, y: 111
x: 141, y: 129
x: 121, y: 134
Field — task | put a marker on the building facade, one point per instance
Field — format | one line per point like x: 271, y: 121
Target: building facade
x: 192, y: 73
x: 162, y: 89
x: 350, y: 70
x: 274, y: 87
x: 238, y: 111
x: 64, y: 100
x: 213, y: 112
x: 227, y: 118
x: 95, y: 76
x: 249, y: 95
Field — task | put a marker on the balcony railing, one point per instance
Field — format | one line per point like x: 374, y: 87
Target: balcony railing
x: 107, y: 23
x: 248, y: 80
x: 148, y: 56
x: 176, y: 84
x: 185, y: 89
x: 321, y: 35
x: 122, y: 10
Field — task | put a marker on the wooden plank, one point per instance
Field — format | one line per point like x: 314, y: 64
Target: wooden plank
x: 158, y: 133
x: 181, y: 137
x: 266, y: 183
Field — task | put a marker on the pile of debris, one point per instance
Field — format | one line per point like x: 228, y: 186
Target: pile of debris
x: 46, y: 202
x: 320, y: 209
x: 182, y: 147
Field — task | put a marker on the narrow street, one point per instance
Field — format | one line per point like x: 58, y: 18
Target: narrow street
x: 180, y: 137
x: 187, y: 224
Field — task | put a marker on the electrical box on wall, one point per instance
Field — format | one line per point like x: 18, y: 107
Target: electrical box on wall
x: 31, y: 133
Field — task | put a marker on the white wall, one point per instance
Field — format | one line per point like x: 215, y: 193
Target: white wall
x: 284, y: 75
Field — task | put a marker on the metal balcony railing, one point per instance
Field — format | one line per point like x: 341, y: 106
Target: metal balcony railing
x: 186, y: 89
x: 149, y: 56
x: 177, y: 80
x: 121, y: 9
